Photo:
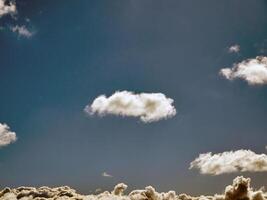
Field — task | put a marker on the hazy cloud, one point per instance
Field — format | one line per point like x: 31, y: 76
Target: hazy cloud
x: 22, y: 31
x: 105, y: 174
x: 6, y: 136
x: 148, y: 107
x: 234, y: 49
x: 7, y: 8
x: 239, y: 190
x: 254, y: 71
x: 229, y: 162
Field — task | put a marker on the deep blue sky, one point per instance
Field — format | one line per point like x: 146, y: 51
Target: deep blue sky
x: 85, y: 48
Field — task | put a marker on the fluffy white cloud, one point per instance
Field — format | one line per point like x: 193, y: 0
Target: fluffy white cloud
x: 6, y: 9
x: 22, y: 31
x: 254, y: 71
x: 6, y: 136
x: 229, y: 162
x: 239, y: 190
x: 105, y: 174
x: 148, y: 107
x: 234, y: 49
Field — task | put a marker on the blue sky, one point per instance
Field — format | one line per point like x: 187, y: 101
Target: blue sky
x: 81, y: 49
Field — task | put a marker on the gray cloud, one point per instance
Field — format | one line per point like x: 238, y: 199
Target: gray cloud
x: 148, y: 107
x: 6, y: 136
x: 239, y: 190
x: 230, y: 162
x: 253, y: 71
x: 7, y: 8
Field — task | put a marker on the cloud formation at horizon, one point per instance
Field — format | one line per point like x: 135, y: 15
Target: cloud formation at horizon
x: 239, y: 190
x: 6, y: 136
x: 230, y: 162
x: 253, y: 71
x: 149, y: 107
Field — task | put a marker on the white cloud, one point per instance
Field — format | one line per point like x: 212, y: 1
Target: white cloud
x: 254, y: 71
x: 230, y: 162
x: 6, y: 9
x: 9, y: 8
x: 105, y: 174
x: 6, y: 136
x: 22, y: 31
x: 234, y: 49
x: 240, y: 189
x: 148, y: 107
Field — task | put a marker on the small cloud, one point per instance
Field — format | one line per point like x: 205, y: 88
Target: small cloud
x: 234, y: 49
x: 7, y: 8
x: 27, y: 20
x: 261, y: 47
x: 105, y: 174
x: 230, y: 162
x: 22, y: 31
x: 149, y: 107
x: 98, y: 190
x: 6, y: 136
x: 253, y: 71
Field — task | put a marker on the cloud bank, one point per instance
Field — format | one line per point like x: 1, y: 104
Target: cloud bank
x: 149, y: 107
x: 6, y: 136
x: 7, y: 8
x: 239, y: 190
x: 253, y: 71
x: 234, y: 49
x: 230, y: 162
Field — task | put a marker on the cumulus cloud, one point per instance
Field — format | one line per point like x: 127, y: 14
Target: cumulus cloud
x: 230, y: 162
x: 7, y: 8
x: 148, y: 107
x: 239, y: 190
x: 105, y: 174
x: 234, y: 49
x: 6, y: 136
x: 253, y: 71
x: 22, y: 31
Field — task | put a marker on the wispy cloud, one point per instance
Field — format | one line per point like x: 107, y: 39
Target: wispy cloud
x: 6, y: 136
x: 22, y: 31
x: 253, y: 71
x: 148, y: 107
x: 230, y: 162
x: 105, y: 174
x: 7, y: 8
x: 234, y: 49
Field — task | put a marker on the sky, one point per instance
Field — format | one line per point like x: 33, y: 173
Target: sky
x: 58, y: 57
